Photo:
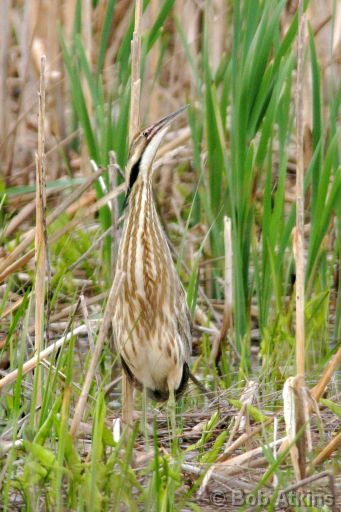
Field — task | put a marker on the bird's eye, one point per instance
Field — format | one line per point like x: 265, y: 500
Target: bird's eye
x: 145, y: 133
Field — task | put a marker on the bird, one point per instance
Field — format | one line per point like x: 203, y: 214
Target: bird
x: 151, y: 322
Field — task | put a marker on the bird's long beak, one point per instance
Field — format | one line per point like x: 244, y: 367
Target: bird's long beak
x: 156, y: 127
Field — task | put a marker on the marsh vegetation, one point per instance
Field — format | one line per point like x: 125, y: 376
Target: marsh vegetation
x: 225, y: 188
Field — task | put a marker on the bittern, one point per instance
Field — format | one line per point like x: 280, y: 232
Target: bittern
x: 152, y: 326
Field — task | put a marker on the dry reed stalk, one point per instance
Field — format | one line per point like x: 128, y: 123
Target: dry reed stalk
x: 90, y: 335
x: 59, y: 145
x: 120, y: 31
x: 28, y: 27
x: 87, y: 199
x: 249, y: 396
x: 72, y: 308
x: 327, y: 451
x: 184, y: 136
x: 87, y: 39
x: 87, y: 212
x: 337, y: 30
x: 227, y: 315
x: 11, y: 308
x: 113, y: 175
x: 323, y: 22
x: 68, y: 16
x: 314, y: 478
x: 56, y: 83
x: 243, y: 439
x: 29, y: 237
x: 134, y: 116
x: 26, y: 33
x: 316, y: 394
x: 107, y: 318
x: 52, y: 23
x: 35, y: 360
x: 243, y: 458
x: 274, y: 452
x: 216, y: 32
x: 134, y: 126
x: 153, y: 111
x: 235, y: 429
x: 294, y: 407
x: 318, y: 390
x: 10, y: 269
x: 189, y: 14
x: 53, y: 238
x: 232, y: 446
x: 22, y: 215
x: 50, y: 367
x: 299, y: 233
x: 209, y: 473
x: 90, y: 250
x: 4, y: 34
x: 40, y: 234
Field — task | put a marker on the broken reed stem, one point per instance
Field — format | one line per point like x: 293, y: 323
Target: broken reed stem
x: 299, y: 233
x: 293, y: 402
x: 40, y: 239
x: 318, y: 390
x: 134, y: 117
x: 107, y: 318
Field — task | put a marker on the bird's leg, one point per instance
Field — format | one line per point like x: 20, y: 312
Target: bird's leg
x: 127, y: 400
x: 172, y: 413
x: 144, y: 426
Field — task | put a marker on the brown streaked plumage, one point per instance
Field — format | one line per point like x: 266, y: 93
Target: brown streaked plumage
x: 151, y: 322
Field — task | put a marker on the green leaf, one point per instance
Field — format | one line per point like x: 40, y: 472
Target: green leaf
x: 41, y: 454
x: 255, y: 413
x: 335, y: 408
x: 154, y: 33
x: 108, y: 18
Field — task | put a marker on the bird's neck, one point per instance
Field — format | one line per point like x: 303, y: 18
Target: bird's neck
x: 143, y: 250
x: 141, y: 225
x: 140, y: 203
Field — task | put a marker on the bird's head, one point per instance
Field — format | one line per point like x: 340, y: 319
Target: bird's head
x: 143, y: 149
